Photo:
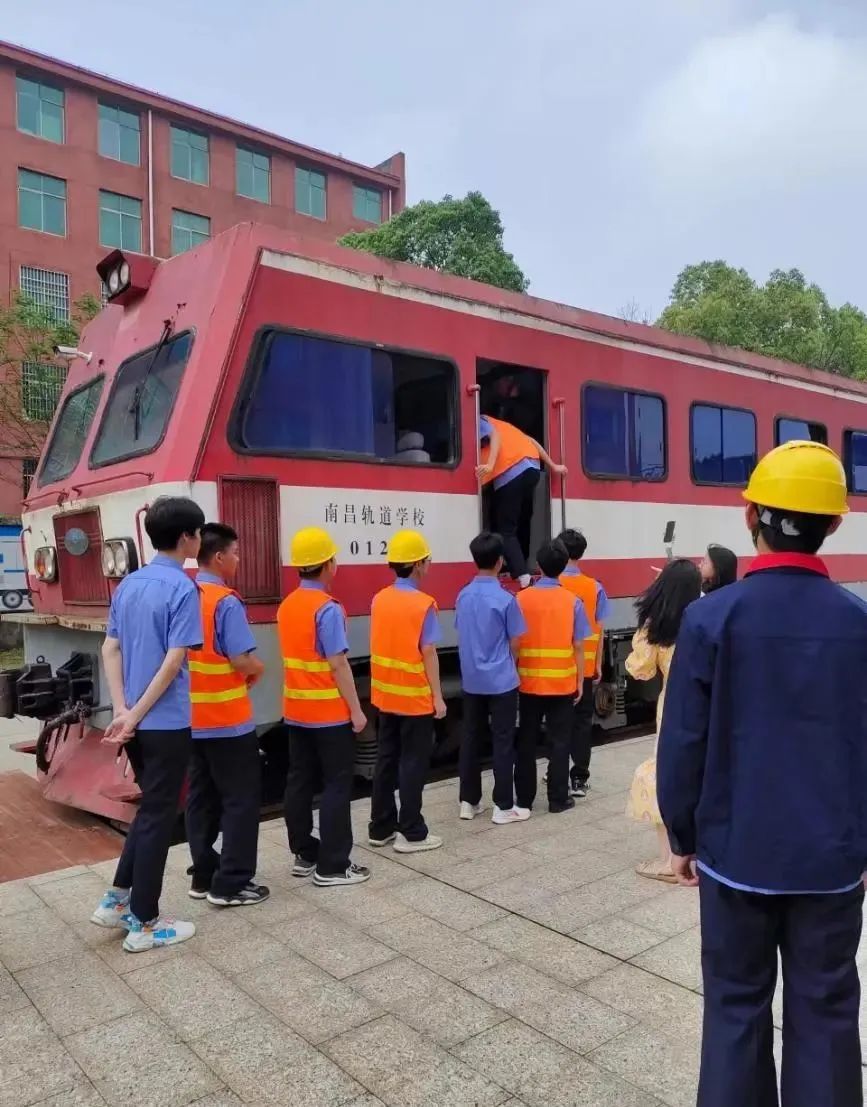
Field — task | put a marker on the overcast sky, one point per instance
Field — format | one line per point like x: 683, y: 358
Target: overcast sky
x: 619, y: 141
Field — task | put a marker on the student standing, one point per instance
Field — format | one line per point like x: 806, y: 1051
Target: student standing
x: 549, y: 656
x: 322, y: 711
x: 762, y: 776
x: 153, y: 621
x: 225, y: 771
x: 405, y: 688
x: 596, y: 607
x: 719, y: 567
x: 489, y: 624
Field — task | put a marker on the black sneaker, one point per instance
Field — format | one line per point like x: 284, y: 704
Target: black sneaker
x: 198, y: 889
x: 247, y: 897
x: 558, y: 808
x: 303, y: 867
x: 578, y: 788
x: 355, y: 874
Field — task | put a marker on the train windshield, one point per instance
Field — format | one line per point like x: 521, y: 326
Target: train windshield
x: 71, y: 431
x: 141, y: 401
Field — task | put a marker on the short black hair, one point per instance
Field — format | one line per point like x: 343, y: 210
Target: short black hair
x: 487, y: 548
x: 312, y: 572
x: 575, y: 543
x: 552, y: 558
x: 793, y: 531
x: 169, y: 518
x: 216, y: 538
x: 402, y: 569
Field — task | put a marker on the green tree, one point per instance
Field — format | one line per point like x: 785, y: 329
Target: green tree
x: 464, y: 237
x: 786, y: 317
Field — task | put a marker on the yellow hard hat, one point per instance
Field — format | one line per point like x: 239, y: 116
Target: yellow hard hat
x: 407, y: 547
x: 311, y: 546
x: 800, y: 476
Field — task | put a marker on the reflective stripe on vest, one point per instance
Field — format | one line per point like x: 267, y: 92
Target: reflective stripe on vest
x: 586, y: 589
x: 515, y: 446
x: 218, y: 695
x: 398, y: 683
x: 546, y: 653
x: 310, y: 693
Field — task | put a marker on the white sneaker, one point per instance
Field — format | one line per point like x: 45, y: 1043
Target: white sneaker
x: 512, y: 815
x: 153, y: 935
x: 113, y: 910
x: 355, y: 874
x: 470, y: 810
x: 378, y: 843
x: 522, y: 813
x: 403, y: 845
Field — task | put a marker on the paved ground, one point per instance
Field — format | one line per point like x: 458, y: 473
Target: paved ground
x: 13, y: 731
x: 522, y: 965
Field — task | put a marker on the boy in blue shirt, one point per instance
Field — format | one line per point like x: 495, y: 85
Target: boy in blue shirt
x: 489, y: 623
x: 154, y: 619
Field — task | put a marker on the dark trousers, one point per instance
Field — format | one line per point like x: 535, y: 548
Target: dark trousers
x: 512, y: 514
x: 582, y: 732
x: 224, y: 795
x: 405, y: 743
x: 159, y: 760
x: 556, y: 711
x: 817, y: 938
x: 497, y: 716
x: 328, y: 754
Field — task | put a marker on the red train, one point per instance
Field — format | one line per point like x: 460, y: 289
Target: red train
x: 284, y: 383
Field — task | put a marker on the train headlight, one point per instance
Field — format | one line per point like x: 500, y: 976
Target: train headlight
x: 45, y: 564
x: 119, y: 557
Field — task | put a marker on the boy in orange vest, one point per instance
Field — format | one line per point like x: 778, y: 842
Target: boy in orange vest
x: 405, y: 688
x: 322, y: 710
x: 549, y: 656
x: 596, y: 607
x: 224, y: 772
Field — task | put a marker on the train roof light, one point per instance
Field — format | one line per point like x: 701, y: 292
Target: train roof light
x: 126, y: 277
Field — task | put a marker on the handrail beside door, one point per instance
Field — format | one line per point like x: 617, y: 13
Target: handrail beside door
x: 560, y: 405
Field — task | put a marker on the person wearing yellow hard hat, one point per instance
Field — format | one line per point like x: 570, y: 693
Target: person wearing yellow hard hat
x: 322, y: 711
x: 761, y: 782
x: 405, y: 688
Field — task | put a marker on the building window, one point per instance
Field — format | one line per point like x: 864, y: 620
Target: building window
x: 119, y: 134
x: 120, y: 221
x: 40, y: 110
x: 189, y: 156
x: 623, y: 434
x: 799, y: 430
x: 41, y: 386
x: 188, y: 230
x: 394, y: 406
x: 855, y: 460
x: 46, y: 289
x: 41, y: 202
x: 310, y: 193
x: 28, y: 471
x: 723, y: 444
x: 253, y: 175
x: 367, y: 204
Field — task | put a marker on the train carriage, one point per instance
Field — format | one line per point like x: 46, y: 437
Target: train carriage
x: 284, y: 383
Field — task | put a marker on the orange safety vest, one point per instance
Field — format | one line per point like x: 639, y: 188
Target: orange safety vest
x: 398, y: 683
x: 218, y: 695
x: 310, y: 693
x: 584, y: 588
x: 546, y: 653
x: 515, y: 446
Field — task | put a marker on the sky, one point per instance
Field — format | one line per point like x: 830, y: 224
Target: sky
x: 619, y: 141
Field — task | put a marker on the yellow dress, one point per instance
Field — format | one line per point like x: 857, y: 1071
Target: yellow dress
x: 644, y: 663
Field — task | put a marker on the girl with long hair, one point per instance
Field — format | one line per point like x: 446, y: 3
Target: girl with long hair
x: 660, y: 611
x: 718, y: 568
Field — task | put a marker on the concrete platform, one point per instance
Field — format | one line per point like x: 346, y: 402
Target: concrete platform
x: 521, y: 965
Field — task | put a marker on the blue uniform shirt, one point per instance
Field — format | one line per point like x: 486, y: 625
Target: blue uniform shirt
x: 603, y: 604
x: 485, y: 431
x: 581, y: 628
x: 762, y: 761
x: 487, y: 617
x: 331, y: 637
x: 153, y: 610
x: 232, y: 637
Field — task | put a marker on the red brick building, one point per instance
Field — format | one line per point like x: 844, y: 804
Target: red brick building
x: 88, y: 163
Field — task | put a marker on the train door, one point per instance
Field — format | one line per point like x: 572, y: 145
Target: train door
x: 518, y: 394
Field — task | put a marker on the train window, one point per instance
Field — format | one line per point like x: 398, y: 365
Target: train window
x: 789, y: 430
x: 141, y: 401
x: 723, y: 444
x: 326, y: 396
x: 71, y: 431
x: 855, y: 460
x: 623, y: 433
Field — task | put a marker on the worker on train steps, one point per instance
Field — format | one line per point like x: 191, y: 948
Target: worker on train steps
x: 761, y: 779
x: 225, y: 773
x: 511, y: 464
x: 405, y: 688
x: 322, y: 711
